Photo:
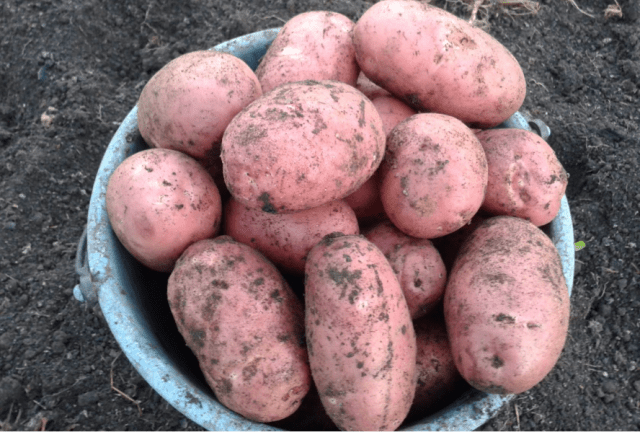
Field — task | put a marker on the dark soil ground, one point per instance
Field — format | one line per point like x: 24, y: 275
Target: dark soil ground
x: 70, y: 70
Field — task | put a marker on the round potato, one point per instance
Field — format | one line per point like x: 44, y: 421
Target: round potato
x: 365, y: 201
x: 302, y: 145
x: 187, y: 105
x: 438, y: 62
x: 417, y: 265
x: 314, y: 45
x: 286, y: 239
x: 369, y: 88
x: 506, y: 306
x: 245, y: 326
x: 387, y: 237
x: 392, y: 111
x: 434, y: 175
x: 159, y: 202
x: 525, y: 177
x: 362, y: 346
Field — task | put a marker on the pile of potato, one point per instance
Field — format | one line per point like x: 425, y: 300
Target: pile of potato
x: 347, y: 234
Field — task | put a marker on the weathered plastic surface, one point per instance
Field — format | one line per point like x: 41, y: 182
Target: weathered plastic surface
x: 133, y: 298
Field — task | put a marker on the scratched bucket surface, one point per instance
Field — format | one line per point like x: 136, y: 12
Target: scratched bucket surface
x: 133, y: 298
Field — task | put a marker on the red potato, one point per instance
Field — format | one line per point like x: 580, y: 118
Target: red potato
x: 506, y: 306
x: 365, y: 201
x: 438, y: 62
x: 244, y: 325
x: 525, y: 177
x: 434, y: 175
x: 417, y: 265
x: 159, y: 202
x: 311, y: 46
x: 369, y: 88
x: 286, y: 239
x: 302, y: 145
x: 422, y: 275
x: 392, y: 111
x: 187, y: 105
x: 450, y: 245
x: 387, y: 237
x: 439, y: 382
x: 360, y: 337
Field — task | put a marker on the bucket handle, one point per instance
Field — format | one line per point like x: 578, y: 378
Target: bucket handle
x: 84, y: 291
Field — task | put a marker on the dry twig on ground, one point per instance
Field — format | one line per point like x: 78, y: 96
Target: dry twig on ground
x: 613, y: 10
x: 573, y: 2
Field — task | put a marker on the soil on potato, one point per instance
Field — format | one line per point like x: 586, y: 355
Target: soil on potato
x: 71, y: 70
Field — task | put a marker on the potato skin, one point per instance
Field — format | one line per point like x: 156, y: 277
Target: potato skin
x: 365, y: 201
x: 434, y: 175
x: 392, y: 111
x: 160, y: 201
x: 525, y: 177
x: 286, y: 239
x: 276, y: 154
x: 417, y: 265
x: 245, y: 326
x: 187, y: 104
x: 313, y: 45
x: 369, y: 88
x: 359, y: 334
x: 439, y: 382
x: 437, y: 62
x: 506, y: 306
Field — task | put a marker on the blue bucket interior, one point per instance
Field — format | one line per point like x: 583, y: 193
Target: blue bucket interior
x: 133, y: 298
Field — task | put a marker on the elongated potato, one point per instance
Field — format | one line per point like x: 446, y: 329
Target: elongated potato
x: 302, y: 145
x: 506, y: 306
x: 245, y: 326
x: 314, y: 45
x: 362, y: 347
x: 438, y: 62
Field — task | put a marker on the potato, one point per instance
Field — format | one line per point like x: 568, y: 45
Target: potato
x: 187, y: 104
x: 286, y: 239
x: 437, y: 62
x: 311, y: 46
x: 365, y: 201
x: 311, y: 416
x: 360, y: 336
x: 386, y: 237
x: 245, y: 326
x: 525, y: 177
x: 369, y: 88
x: 439, y: 382
x: 302, y: 145
x: 417, y: 265
x: 450, y: 245
x: 422, y: 275
x: 160, y: 201
x: 434, y: 175
x: 392, y: 111
x: 506, y: 306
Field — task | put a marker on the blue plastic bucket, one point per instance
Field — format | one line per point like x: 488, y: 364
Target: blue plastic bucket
x: 133, y: 298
